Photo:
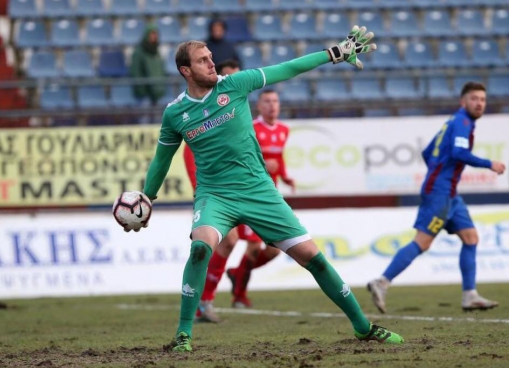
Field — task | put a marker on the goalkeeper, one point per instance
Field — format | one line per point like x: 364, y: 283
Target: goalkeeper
x: 214, y: 118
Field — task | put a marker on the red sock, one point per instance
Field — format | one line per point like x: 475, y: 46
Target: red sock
x: 261, y: 259
x: 216, y: 268
x: 242, y: 275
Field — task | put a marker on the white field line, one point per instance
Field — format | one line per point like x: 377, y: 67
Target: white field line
x: 259, y: 312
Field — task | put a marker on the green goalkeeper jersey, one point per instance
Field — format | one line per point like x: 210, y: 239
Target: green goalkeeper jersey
x: 219, y: 130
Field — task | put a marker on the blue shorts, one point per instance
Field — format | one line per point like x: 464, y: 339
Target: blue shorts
x: 438, y: 212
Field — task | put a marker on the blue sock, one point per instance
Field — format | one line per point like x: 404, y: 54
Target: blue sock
x: 402, y: 260
x: 468, y: 266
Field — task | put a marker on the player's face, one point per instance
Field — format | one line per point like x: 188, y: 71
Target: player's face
x: 202, y: 70
x: 229, y: 71
x: 475, y: 103
x: 268, y: 106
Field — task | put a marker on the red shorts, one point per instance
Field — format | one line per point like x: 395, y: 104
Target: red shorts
x: 245, y: 233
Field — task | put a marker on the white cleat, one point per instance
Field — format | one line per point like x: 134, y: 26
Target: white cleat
x: 378, y: 289
x: 207, y: 313
x: 471, y: 301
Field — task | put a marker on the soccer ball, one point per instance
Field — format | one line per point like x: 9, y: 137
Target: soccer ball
x: 132, y: 210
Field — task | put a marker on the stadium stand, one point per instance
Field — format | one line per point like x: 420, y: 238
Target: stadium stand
x: 78, y: 64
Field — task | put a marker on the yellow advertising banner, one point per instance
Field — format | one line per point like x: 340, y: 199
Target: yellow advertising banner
x: 82, y: 166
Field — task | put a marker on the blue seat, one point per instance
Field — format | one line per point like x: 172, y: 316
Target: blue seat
x: 169, y: 65
x: 402, y: 88
x: 251, y: 56
x: 56, y: 97
x: 131, y: 31
x: 226, y: 6
x: 470, y: 22
x: 294, y: 5
x: 395, y: 4
x: 331, y: 90
x: 386, y: 56
x: 327, y: 4
x: 78, y: 64
x: 23, y: 9
x: 57, y: 8
x: 32, y: 34
x: 99, y: 32
x: 460, y: 81
x: 237, y: 29
x: 281, y: 53
x: 170, y: 29
x: 486, y: 53
x: 260, y: 5
x: 367, y: 89
x: 498, y: 86
x: 65, y: 33
x: 90, y: 7
x: 360, y: 4
x: 112, y: 64
x: 295, y: 90
x: 336, y: 24
x: 191, y: 6
x: 125, y: 8
x: 197, y: 28
x: 122, y: 96
x: 452, y: 54
x: 419, y: 55
x: 303, y: 26
x: 268, y: 27
x: 437, y: 23
x: 500, y: 22
x: 373, y: 21
x: 404, y: 24
x: 92, y: 97
x: 438, y: 87
x: 43, y: 65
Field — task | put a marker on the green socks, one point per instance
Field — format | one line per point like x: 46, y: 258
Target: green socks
x: 193, y: 283
x: 339, y: 292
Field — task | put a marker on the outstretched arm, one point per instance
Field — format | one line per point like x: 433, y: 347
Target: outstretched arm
x: 159, y: 168
x: 461, y: 146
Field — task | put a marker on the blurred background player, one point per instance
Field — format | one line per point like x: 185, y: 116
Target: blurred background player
x: 272, y: 135
x: 441, y: 207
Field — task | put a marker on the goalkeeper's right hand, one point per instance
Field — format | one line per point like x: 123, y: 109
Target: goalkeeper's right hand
x: 354, y: 44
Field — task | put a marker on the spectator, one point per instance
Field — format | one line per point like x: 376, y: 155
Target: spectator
x: 147, y: 63
x: 227, y: 67
x: 221, y: 48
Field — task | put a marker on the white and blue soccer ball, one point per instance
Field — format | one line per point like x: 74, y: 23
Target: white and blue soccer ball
x: 132, y: 210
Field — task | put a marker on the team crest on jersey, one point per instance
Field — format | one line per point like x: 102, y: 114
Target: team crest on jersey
x: 223, y: 99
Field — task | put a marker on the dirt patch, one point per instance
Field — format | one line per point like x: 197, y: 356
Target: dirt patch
x: 304, y: 341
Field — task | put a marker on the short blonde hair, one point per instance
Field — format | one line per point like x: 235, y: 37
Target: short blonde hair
x: 182, y: 57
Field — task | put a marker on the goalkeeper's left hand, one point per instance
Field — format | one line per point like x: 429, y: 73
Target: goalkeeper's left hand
x: 355, y: 43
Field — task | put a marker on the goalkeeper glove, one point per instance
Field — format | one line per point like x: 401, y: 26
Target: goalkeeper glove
x: 355, y: 43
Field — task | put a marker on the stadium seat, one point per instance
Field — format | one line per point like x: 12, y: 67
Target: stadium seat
x: 131, y: 31
x: 251, y: 56
x: 169, y: 65
x: 419, y: 55
x: 280, y: 53
x: 486, y: 53
x: 32, y: 34
x: 65, y: 33
x: 498, y: 85
x: 437, y: 23
x: 402, y: 88
x: 295, y: 90
x: 438, y: 87
x: 386, y: 56
x: 395, y: 4
x: 331, y: 90
x: 328, y: 4
x: 360, y: 4
x: 92, y: 97
x: 500, y: 22
x: 303, y: 26
x: 99, y: 32
x: 56, y: 97
x: 90, y: 8
x: 125, y: 8
x: 404, y: 24
x: 260, y: 5
x: 294, y: 5
x: 452, y: 54
x: 43, y: 65
x: 336, y: 24
x: 170, y: 29
x: 470, y: 23
x: 237, y: 29
x: 78, y: 64
x: 268, y: 27
x: 190, y: 6
x: 373, y: 21
x: 112, y: 64
x: 122, y: 96
x: 367, y: 89
x: 23, y: 9
x: 57, y: 8
x: 197, y: 28
x: 226, y: 6
x: 459, y: 82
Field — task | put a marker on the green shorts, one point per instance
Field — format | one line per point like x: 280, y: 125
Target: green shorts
x: 263, y: 209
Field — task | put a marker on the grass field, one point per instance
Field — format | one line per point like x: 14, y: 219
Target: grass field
x: 132, y: 331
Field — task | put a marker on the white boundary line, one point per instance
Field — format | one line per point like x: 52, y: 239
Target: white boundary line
x: 260, y: 312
